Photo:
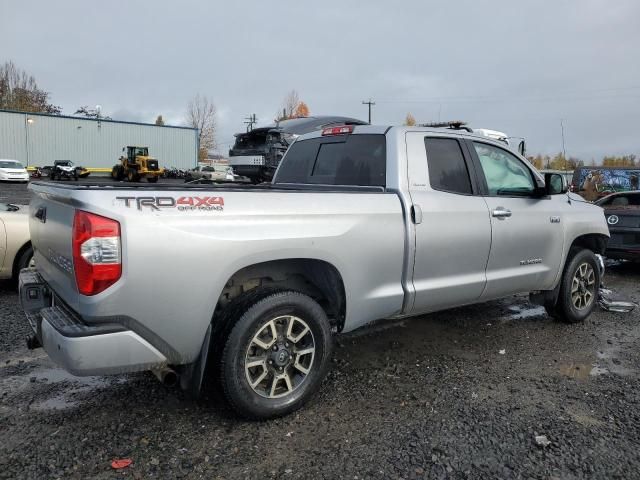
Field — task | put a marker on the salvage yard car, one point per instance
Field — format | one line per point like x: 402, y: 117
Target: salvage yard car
x: 63, y: 169
x: 360, y: 223
x: 622, y: 211
x: 256, y: 154
x: 15, y: 246
x: 218, y: 173
x: 13, y: 171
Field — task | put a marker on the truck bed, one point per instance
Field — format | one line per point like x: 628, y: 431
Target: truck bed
x: 180, y: 244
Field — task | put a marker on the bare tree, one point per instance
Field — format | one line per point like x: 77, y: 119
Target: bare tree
x: 289, y: 106
x: 91, y: 113
x: 19, y: 91
x: 201, y: 114
x: 159, y: 120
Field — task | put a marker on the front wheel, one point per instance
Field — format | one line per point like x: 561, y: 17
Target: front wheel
x: 152, y: 179
x: 579, y: 287
x: 276, y: 355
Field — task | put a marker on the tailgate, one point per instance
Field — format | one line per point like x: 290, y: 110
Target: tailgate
x: 51, y: 213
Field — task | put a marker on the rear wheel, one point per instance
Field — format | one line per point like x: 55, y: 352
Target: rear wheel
x: 579, y: 287
x: 276, y: 355
x: 152, y: 179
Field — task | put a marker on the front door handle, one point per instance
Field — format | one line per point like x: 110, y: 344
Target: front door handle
x: 501, y: 213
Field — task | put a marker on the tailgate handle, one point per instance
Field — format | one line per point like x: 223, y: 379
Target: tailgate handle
x: 41, y: 214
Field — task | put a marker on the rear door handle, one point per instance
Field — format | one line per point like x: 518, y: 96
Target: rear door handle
x: 416, y: 214
x: 501, y: 212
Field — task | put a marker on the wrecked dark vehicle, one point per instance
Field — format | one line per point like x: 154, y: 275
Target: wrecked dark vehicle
x: 622, y: 211
x: 257, y: 153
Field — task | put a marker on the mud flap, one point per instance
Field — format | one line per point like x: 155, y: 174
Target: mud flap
x: 191, y: 375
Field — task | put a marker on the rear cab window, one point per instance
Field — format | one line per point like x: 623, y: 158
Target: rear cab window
x: 355, y: 159
x: 448, y: 170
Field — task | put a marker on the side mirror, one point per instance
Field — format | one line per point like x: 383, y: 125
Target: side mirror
x: 522, y: 148
x: 555, y: 184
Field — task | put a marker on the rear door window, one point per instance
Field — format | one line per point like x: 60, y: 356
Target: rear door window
x: 342, y: 160
x: 447, y: 168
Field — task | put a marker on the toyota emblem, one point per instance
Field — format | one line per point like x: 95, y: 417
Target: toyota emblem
x: 613, y: 219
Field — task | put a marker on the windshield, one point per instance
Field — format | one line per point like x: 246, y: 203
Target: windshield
x: 10, y: 164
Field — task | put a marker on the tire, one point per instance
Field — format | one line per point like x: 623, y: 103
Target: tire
x: 52, y: 176
x: 582, y: 273
x: 280, y: 362
x: 23, y: 261
x: 152, y: 179
x: 132, y: 175
x: 114, y: 172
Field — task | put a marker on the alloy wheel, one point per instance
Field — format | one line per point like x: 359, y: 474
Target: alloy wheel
x: 280, y: 356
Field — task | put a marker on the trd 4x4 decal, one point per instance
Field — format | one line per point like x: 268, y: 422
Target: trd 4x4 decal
x: 180, y: 203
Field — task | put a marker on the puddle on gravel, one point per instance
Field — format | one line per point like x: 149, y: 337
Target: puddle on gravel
x: 610, y: 356
x: 522, y: 312
x: 582, y: 371
x: 42, y: 379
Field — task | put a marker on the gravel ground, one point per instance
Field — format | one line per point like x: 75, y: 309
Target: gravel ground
x: 458, y: 394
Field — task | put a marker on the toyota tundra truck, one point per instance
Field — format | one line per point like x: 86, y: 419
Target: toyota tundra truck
x: 247, y: 285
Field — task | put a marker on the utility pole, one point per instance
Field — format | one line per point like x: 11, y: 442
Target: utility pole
x: 370, y: 104
x: 564, y: 153
x: 250, y: 121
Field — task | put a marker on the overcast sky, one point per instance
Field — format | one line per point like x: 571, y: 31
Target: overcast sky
x: 514, y: 66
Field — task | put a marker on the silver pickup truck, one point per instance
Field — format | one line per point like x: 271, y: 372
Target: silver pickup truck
x: 246, y: 285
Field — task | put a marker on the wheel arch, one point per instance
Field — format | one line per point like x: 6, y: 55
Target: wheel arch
x: 316, y: 278
x: 596, y: 242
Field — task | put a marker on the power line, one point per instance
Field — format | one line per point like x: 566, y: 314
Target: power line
x: 516, y: 98
x: 250, y: 121
x: 370, y: 104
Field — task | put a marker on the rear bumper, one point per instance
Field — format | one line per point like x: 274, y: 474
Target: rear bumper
x: 79, y: 348
x: 14, y: 179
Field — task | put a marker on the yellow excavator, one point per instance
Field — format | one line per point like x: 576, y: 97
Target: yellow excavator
x: 136, y: 165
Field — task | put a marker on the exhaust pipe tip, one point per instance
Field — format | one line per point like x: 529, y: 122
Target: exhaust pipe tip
x: 167, y: 376
x: 33, y: 342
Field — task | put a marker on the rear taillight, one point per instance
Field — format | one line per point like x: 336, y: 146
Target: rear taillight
x: 96, y: 252
x: 342, y: 130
